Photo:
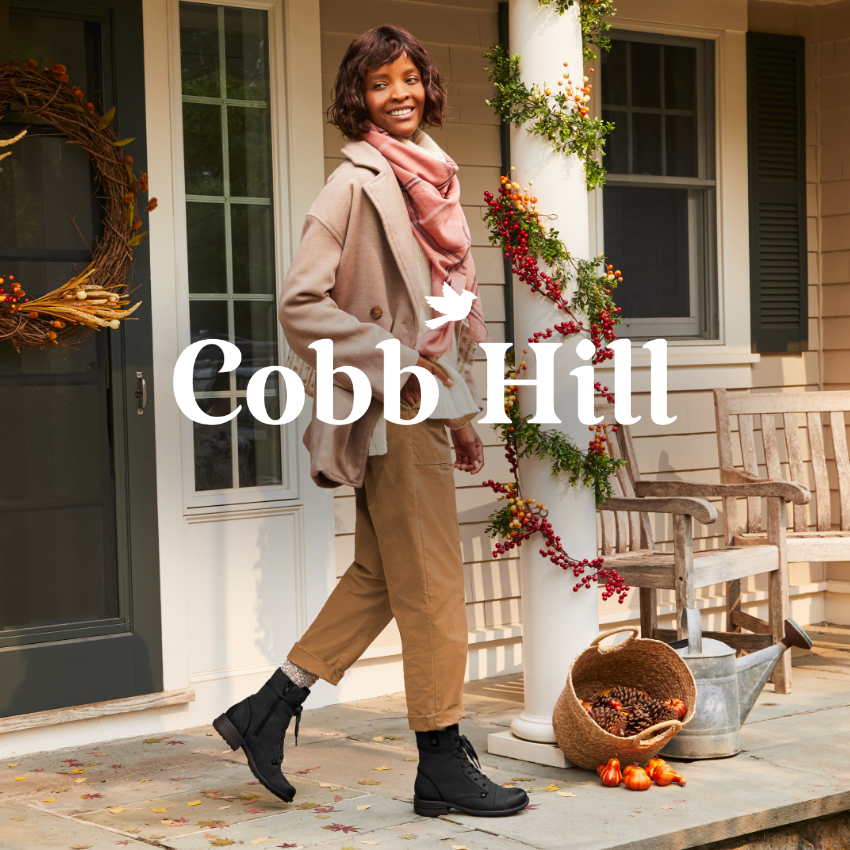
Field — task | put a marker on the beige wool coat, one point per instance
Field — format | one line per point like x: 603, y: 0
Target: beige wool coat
x: 354, y: 280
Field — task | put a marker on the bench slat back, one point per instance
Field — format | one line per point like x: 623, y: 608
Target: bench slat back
x: 767, y: 406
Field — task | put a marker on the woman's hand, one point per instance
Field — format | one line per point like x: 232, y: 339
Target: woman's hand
x: 411, y: 392
x: 469, y: 450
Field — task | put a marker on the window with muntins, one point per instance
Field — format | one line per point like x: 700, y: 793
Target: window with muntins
x: 659, y: 196
x: 224, y: 54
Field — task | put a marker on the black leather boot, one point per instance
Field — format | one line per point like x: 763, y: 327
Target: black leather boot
x: 449, y: 777
x: 258, y: 725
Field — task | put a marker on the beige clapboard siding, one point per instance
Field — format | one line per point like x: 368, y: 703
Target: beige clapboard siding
x: 456, y: 37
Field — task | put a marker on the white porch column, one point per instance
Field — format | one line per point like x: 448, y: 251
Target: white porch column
x: 557, y: 623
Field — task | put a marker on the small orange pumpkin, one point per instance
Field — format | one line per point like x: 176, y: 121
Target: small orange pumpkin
x: 636, y: 779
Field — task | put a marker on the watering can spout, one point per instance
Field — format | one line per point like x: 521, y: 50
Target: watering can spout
x: 755, y: 669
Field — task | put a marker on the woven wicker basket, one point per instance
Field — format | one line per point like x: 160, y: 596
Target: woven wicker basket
x: 649, y: 665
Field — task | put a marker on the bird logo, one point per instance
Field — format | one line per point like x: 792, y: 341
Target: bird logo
x: 454, y: 307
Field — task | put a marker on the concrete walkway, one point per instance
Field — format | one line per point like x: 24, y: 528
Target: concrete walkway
x: 354, y: 770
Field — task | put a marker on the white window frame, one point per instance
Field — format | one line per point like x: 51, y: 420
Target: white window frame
x: 726, y: 360
x: 700, y: 323
x: 288, y: 489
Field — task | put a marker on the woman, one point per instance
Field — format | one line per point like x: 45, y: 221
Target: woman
x: 386, y: 232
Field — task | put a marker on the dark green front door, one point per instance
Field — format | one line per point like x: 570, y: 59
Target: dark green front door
x: 79, y: 561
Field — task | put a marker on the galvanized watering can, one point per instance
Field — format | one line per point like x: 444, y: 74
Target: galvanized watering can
x: 727, y: 688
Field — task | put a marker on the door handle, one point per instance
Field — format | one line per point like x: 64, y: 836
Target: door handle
x: 141, y: 394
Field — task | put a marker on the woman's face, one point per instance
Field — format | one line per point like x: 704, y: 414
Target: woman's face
x: 395, y: 97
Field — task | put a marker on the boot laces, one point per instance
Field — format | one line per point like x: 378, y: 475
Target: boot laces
x: 466, y: 751
x: 297, y: 712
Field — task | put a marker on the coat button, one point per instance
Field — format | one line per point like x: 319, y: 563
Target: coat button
x: 376, y: 312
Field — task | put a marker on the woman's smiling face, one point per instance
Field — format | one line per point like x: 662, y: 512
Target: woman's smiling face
x: 395, y: 97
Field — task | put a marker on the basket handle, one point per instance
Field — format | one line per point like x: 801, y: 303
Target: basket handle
x: 670, y: 727
x: 617, y: 646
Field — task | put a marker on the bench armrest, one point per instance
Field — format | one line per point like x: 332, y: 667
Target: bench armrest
x: 743, y: 486
x: 697, y: 508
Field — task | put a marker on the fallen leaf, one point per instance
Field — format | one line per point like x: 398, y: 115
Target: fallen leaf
x: 310, y: 804
x: 260, y: 840
x: 91, y: 796
x: 78, y: 770
x: 153, y: 740
x: 251, y: 811
x: 552, y: 787
x: 13, y: 765
x: 362, y: 808
x: 411, y: 758
x: 195, y: 803
x: 323, y: 817
x: 78, y: 846
x: 306, y: 770
x: 172, y: 743
x: 338, y: 798
x: 214, y: 793
x: 409, y: 835
x: 330, y: 787
x: 211, y: 824
x: 523, y: 779
x: 78, y: 781
x: 116, y: 810
x: 666, y: 807
x: 160, y: 810
x: 20, y: 778
x: 134, y: 831
x: 376, y: 738
x: 531, y: 807
x: 324, y: 809
x: 92, y: 763
x: 179, y: 821
x: 18, y: 818
x: 326, y: 735
x: 167, y: 822
x: 368, y: 782
x: 565, y: 794
x: 49, y: 799
x: 509, y: 785
x: 382, y: 768
x: 141, y: 780
x: 338, y: 827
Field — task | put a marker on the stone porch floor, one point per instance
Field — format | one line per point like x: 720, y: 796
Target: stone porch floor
x: 354, y: 770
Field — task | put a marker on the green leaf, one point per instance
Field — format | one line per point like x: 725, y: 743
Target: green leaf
x: 106, y: 119
x: 74, y: 107
x: 128, y: 214
x: 136, y: 240
x: 129, y: 173
x: 123, y: 142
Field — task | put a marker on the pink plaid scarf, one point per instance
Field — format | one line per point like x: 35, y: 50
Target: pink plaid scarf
x: 432, y: 194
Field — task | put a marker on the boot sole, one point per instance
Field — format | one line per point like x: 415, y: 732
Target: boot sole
x: 433, y: 809
x: 230, y: 735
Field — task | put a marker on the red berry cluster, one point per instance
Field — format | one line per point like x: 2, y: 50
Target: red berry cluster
x: 16, y: 296
x: 532, y: 521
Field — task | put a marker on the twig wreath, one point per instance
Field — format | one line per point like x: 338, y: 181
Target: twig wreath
x: 97, y: 297
x: 516, y: 224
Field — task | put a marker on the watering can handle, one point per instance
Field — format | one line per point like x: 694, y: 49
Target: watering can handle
x: 669, y: 727
x: 692, y: 630
x: 617, y: 646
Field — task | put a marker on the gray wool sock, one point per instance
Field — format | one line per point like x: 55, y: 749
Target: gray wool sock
x: 298, y: 675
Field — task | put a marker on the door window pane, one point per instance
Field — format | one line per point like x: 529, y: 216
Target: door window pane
x: 230, y: 231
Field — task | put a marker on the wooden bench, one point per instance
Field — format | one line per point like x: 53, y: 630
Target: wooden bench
x: 822, y: 544
x: 627, y: 545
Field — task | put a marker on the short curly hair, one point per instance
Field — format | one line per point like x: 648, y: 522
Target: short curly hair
x: 377, y: 47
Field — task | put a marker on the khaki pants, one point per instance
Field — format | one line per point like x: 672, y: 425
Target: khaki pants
x: 407, y: 565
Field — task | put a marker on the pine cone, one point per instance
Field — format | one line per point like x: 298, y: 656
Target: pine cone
x: 660, y: 712
x: 600, y: 698
x: 629, y: 696
x: 638, y: 719
x: 609, y: 719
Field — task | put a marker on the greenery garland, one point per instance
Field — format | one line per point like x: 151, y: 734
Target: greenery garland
x: 518, y: 227
x: 561, y: 117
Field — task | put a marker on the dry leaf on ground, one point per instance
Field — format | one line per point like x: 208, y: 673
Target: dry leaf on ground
x: 157, y: 811
x: 363, y: 808
x: 13, y: 765
x: 83, y: 779
x: 409, y: 835
x: 376, y: 738
x: 49, y: 799
x: 260, y: 840
x: 116, y: 810
x: 666, y: 807
x: 19, y: 778
x: 221, y: 842
x: 565, y: 794
x: 368, y: 782
x: 194, y: 803
x: 411, y: 758
x: 382, y: 767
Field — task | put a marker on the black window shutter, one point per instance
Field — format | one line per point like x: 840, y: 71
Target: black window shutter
x: 777, y: 187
